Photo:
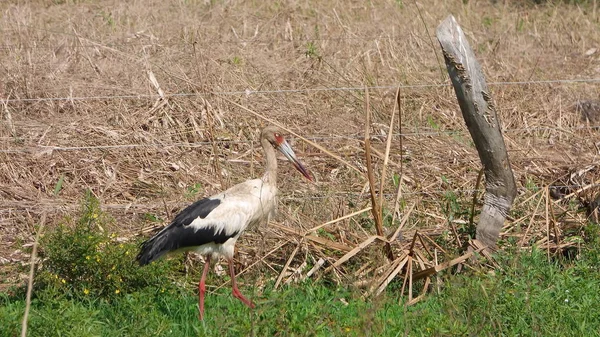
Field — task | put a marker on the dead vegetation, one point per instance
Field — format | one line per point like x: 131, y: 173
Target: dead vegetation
x: 153, y: 105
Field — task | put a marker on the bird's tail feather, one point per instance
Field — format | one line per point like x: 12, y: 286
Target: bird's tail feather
x: 152, y: 249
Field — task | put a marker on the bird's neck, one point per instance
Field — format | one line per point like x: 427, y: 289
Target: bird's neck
x: 270, y: 175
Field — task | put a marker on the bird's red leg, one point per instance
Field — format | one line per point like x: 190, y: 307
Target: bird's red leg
x: 236, y: 291
x: 202, y: 287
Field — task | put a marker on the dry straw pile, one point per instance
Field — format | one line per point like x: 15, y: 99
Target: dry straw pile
x: 151, y: 104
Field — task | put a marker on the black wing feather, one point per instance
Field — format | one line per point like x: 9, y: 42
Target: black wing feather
x: 179, y: 234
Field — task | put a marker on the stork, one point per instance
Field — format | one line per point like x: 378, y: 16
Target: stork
x: 211, y: 226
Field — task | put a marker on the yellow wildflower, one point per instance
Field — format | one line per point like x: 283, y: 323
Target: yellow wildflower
x: 86, y: 291
x: 87, y: 257
x: 63, y: 281
x: 117, y: 291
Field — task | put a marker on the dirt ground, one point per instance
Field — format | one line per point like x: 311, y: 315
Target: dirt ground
x: 141, y: 102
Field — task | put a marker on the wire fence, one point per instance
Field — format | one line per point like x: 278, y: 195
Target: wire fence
x: 57, y: 207
x: 249, y: 92
x: 50, y: 148
x: 154, y: 41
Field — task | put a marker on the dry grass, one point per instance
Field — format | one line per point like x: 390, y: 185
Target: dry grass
x: 182, y: 69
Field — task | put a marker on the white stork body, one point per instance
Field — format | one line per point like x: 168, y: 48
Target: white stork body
x: 211, y: 226
x: 236, y: 213
x: 241, y: 206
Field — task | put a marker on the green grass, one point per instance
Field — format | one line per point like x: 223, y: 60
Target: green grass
x: 531, y: 297
x: 90, y: 285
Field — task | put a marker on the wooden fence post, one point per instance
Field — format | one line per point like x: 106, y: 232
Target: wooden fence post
x: 479, y: 113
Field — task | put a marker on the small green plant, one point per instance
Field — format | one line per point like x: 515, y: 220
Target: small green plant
x: 149, y: 217
x: 312, y: 50
x: 192, y: 191
x: 323, y: 233
x: 520, y: 25
x: 396, y: 179
x: 432, y: 123
x: 83, y: 260
x: 487, y: 21
x: 108, y: 18
x: 366, y: 221
x: 531, y: 185
x: 236, y: 60
x: 59, y: 185
x: 453, y: 206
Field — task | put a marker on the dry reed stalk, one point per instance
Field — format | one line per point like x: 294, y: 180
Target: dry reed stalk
x: 436, y: 269
x: 314, y: 269
x: 408, y: 278
x: 402, y: 223
x: 432, y: 45
x: 296, y: 273
x: 547, y: 197
x: 386, y: 157
x: 401, y: 173
x: 531, y: 219
x: 424, y: 247
x: 551, y: 212
x: 434, y: 244
x: 287, y: 264
x: 375, y: 206
x: 425, y: 285
x: 347, y: 216
x: 395, y: 270
x: 87, y: 56
x: 456, y: 236
x: 478, y: 245
x: 322, y: 241
x: 8, y: 116
x: 355, y: 251
x: 31, y: 272
x: 261, y: 259
x: 409, y: 272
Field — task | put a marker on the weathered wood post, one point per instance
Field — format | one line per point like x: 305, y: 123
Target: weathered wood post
x: 479, y: 113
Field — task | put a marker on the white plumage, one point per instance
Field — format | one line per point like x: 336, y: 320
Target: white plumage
x: 244, y: 205
x: 211, y: 226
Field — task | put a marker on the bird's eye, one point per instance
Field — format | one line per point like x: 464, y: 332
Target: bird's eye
x: 277, y: 135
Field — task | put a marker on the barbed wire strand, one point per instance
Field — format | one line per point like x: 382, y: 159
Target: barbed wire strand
x: 49, y: 148
x: 155, y: 42
x: 57, y: 207
x: 288, y: 91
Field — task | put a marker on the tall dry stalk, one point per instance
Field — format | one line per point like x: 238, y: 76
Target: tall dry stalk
x: 31, y: 272
x: 376, y: 208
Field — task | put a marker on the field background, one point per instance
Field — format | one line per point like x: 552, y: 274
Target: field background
x: 139, y: 102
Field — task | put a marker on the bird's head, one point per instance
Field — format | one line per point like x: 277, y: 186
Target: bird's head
x: 275, y: 136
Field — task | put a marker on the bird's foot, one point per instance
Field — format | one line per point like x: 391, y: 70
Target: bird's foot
x: 237, y: 294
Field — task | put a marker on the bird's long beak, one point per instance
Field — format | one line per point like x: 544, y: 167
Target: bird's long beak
x: 287, y: 151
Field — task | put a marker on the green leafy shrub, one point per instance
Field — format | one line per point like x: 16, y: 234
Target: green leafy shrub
x: 84, y: 260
